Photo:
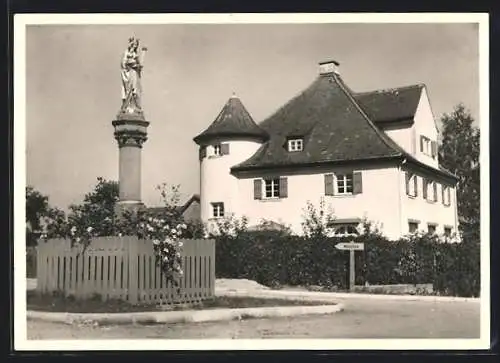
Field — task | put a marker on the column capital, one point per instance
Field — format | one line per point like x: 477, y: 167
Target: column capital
x: 128, y: 139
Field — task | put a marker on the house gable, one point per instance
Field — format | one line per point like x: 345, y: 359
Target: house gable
x: 424, y: 133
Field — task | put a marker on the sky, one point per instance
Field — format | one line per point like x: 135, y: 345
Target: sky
x: 190, y: 71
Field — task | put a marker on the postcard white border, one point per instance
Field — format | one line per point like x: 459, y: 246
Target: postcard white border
x: 20, y: 341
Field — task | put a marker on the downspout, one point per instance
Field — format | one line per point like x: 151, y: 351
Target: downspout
x: 401, y: 221
x: 455, y: 203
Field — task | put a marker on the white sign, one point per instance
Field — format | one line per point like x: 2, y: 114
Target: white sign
x: 350, y: 246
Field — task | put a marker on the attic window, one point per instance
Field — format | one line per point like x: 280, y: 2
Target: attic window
x: 295, y: 145
x: 217, y: 150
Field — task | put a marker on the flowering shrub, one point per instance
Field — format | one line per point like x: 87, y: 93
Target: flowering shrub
x: 96, y: 218
x: 318, y: 221
x: 229, y: 226
x: 166, y: 244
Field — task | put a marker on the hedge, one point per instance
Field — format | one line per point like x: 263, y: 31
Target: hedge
x: 274, y: 259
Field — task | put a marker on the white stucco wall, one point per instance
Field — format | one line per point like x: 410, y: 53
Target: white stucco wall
x: 216, y: 182
x: 425, y: 125
x: 379, y: 201
x: 403, y: 137
x: 408, y: 137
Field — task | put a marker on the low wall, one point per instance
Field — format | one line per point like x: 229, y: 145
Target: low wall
x: 399, y: 289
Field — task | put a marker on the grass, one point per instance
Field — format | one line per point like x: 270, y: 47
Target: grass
x: 59, y: 303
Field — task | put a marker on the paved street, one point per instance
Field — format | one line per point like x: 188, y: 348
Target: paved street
x: 362, y: 318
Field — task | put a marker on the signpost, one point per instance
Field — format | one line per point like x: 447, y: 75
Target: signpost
x: 351, y: 247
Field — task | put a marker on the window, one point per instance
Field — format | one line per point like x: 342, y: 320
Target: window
x: 430, y: 190
x: 446, y: 195
x: 221, y: 149
x: 344, y: 183
x: 431, y: 228
x: 411, y: 184
x: 447, y: 231
x: 272, y: 188
x: 295, y: 145
x: 218, y: 210
x: 412, y: 227
x: 346, y: 229
x: 428, y: 147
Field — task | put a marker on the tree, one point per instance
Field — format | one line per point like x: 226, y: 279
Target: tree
x: 37, y: 206
x: 459, y: 153
x: 97, y: 209
x: 41, y: 218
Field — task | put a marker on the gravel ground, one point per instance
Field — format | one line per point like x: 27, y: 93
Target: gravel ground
x: 362, y: 318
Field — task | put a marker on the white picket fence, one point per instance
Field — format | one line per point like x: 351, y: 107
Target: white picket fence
x: 124, y: 268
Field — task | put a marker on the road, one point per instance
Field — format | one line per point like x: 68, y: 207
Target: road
x: 362, y: 318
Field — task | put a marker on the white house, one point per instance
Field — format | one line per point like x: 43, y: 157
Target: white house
x: 369, y: 155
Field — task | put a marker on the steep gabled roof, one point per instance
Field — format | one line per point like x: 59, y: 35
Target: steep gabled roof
x: 391, y: 105
x: 333, y: 125
x: 233, y: 121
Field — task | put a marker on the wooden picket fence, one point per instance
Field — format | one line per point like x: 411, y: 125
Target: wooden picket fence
x: 124, y: 268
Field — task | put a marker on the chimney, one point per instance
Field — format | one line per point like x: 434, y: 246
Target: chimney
x: 329, y: 67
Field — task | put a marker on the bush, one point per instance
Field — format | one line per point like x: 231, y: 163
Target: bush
x: 275, y: 259
x: 31, y: 262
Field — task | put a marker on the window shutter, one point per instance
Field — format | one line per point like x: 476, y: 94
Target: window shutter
x: 448, y: 191
x: 443, y: 190
x: 357, y: 181
x: 434, y: 149
x: 435, y: 190
x: 224, y: 149
x: 329, y: 184
x: 257, y: 189
x: 283, y: 187
x: 202, y: 152
x: 415, y: 181
x: 424, y: 190
x: 421, y: 143
x: 407, y: 182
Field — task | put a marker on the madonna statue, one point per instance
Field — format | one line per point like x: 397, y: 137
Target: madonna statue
x: 131, y: 68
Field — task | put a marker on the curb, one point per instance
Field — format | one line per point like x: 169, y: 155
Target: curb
x: 188, y: 316
x: 335, y: 296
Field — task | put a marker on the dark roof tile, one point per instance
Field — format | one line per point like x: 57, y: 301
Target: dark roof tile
x: 390, y: 105
x: 233, y: 121
x: 332, y: 124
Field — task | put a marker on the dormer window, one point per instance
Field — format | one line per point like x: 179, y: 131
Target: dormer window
x: 220, y: 149
x: 295, y: 144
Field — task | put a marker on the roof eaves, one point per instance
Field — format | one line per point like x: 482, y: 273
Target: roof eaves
x: 240, y: 167
x: 440, y: 170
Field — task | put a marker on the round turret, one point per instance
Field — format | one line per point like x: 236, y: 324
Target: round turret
x: 231, y: 139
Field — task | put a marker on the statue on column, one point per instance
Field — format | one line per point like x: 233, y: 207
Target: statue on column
x: 131, y: 68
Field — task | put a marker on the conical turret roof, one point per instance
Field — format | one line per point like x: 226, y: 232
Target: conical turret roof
x: 233, y: 121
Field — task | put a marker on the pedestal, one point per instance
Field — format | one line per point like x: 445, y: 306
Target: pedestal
x: 130, y: 133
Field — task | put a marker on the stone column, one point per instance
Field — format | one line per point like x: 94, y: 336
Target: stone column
x: 130, y: 133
